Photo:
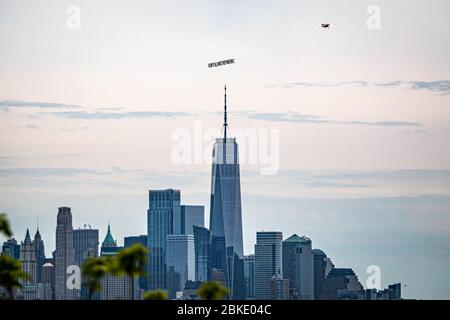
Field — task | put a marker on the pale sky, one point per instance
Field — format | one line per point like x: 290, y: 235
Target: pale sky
x: 87, y: 117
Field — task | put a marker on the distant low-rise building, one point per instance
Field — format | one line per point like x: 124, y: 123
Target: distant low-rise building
x: 35, y: 291
x: 114, y: 287
x: 342, y: 284
x: 190, y: 291
x: 279, y: 288
x: 11, y: 248
x: 392, y: 292
x: 249, y: 275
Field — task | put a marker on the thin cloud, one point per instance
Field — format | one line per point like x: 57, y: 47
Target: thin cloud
x: 321, y: 84
x: 390, y: 84
x: 33, y: 104
x: 314, y: 119
x: 118, y: 115
x: 44, y: 172
x: 440, y: 86
x: 389, y: 175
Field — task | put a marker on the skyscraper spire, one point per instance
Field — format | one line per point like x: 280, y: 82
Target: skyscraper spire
x: 227, y: 258
x: 225, y: 124
x: 27, y: 236
x: 109, y: 240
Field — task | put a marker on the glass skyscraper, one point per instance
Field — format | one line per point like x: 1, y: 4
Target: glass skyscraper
x: 249, y: 272
x: 180, y: 257
x: 191, y: 216
x: 298, y: 267
x: 85, y: 243
x: 268, y: 262
x: 225, y: 214
x: 142, y: 240
x: 40, y: 255
x: 11, y: 248
x: 163, y: 218
x: 202, y: 241
x: 64, y: 255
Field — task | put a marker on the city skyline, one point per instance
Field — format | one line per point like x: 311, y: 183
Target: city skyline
x: 182, y: 254
x: 88, y: 118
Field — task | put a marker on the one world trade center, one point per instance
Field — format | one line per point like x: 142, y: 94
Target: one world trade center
x: 225, y: 215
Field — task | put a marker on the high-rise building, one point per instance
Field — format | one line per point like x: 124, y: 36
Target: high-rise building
x: 40, y: 255
x: 298, y: 267
x: 225, y: 214
x: 395, y: 291
x: 191, y: 216
x: 85, y: 244
x: 64, y: 255
x: 392, y: 292
x: 249, y: 274
x: 116, y: 287
x: 28, y: 259
x: 190, y: 291
x: 180, y: 258
x: 202, y: 242
x: 322, y: 266
x: 268, y: 262
x: 34, y: 291
x: 130, y: 240
x: 109, y: 245
x: 142, y: 240
x: 11, y: 248
x: 48, y: 277
x: 163, y: 218
x: 342, y: 284
x: 279, y: 288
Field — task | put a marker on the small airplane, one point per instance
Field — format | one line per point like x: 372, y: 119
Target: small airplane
x: 325, y: 25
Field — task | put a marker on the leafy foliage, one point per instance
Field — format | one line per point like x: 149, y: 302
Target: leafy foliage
x: 212, y: 290
x: 11, y: 274
x: 156, y: 295
x: 130, y: 261
x: 5, y: 227
x: 94, y: 269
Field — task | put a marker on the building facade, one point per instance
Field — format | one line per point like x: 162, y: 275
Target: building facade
x: 322, y: 266
x: 85, y: 244
x: 225, y: 214
x: 191, y: 216
x: 163, y: 218
x: 342, y: 284
x: 11, y: 248
x: 180, y: 263
x: 268, y: 262
x: 279, y: 288
x: 298, y: 267
x: 64, y: 255
x: 40, y: 255
x: 249, y: 273
x: 202, y: 244
x: 28, y: 259
x: 48, y: 277
x: 142, y: 240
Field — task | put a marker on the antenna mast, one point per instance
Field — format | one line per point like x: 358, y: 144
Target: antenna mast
x: 225, y: 124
